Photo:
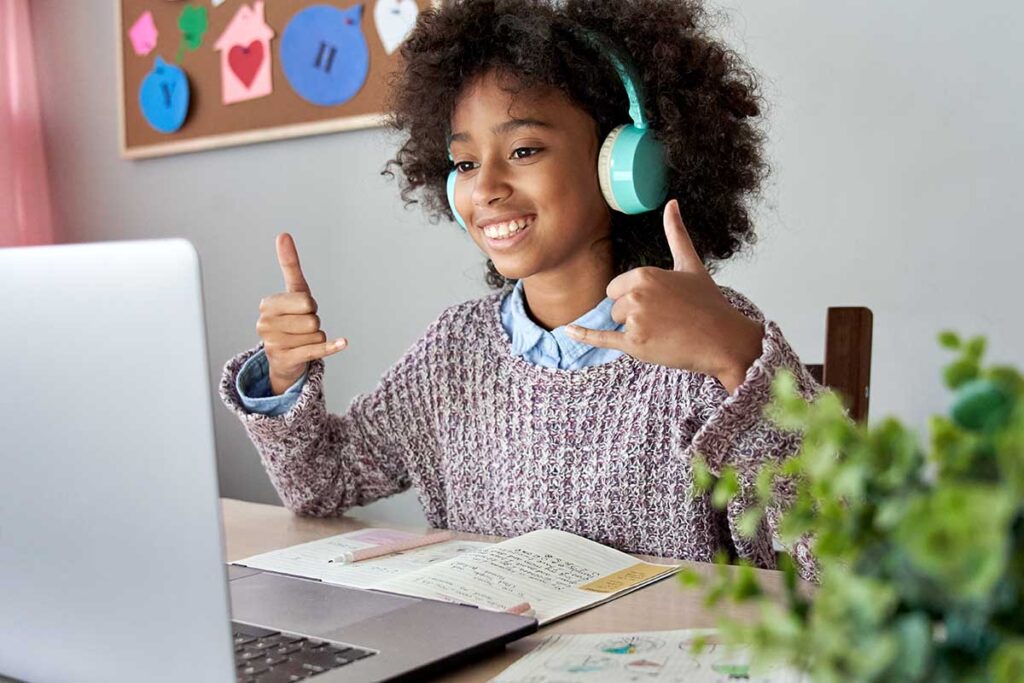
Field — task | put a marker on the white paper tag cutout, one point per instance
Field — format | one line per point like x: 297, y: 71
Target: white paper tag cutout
x: 394, y: 19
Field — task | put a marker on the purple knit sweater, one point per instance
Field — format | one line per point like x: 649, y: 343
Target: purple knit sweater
x: 497, y: 445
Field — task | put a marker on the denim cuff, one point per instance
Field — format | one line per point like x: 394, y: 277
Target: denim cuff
x: 253, y: 386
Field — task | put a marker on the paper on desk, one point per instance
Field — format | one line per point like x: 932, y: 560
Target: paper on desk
x: 664, y: 656
x: 310, y: 560
x: 557, y: 572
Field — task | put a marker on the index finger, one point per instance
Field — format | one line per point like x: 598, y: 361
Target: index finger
x: 288, y: 257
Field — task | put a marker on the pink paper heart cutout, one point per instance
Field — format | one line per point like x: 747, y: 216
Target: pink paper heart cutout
x: 245, y: 62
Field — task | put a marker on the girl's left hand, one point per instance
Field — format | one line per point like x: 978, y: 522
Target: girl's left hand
x: 678, y: 318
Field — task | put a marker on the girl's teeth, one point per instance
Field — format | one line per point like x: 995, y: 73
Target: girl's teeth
x: 507, y: 229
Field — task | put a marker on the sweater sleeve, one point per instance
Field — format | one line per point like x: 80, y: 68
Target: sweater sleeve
x: 736, y: 433
x: 321, y: 463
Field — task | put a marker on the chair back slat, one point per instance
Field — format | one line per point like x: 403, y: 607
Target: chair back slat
x: 847, y: 366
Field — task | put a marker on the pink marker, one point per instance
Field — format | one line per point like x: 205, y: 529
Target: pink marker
x: 388, y: 548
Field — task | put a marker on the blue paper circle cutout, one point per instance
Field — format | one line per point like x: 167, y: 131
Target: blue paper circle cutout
x: 164, y: 97
x: 324, y: 54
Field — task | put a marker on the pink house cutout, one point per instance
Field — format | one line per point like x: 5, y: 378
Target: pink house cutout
x: 244, y: 48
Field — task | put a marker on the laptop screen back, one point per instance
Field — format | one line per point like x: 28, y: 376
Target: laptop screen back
x: 111, y: 564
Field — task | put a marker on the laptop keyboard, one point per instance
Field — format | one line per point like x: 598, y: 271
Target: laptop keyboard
x: 266, y: 656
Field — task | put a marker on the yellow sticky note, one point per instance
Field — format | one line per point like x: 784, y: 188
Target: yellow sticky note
x: 624, y: 578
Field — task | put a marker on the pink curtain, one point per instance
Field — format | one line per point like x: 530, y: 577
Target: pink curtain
x: 25, y: 213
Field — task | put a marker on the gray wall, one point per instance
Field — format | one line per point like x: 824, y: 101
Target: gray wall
x: 895, y: 136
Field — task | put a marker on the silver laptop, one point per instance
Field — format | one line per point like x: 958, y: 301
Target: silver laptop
x: 111, y: 562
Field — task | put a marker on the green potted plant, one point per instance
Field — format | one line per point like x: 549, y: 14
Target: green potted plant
x: 920, y: 550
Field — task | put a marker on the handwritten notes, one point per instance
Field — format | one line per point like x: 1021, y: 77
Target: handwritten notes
x: 547, y: 568
x: 665, y: 656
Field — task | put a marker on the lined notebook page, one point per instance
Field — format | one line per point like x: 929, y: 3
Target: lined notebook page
x: 558, y: 573
x: 311, y: 560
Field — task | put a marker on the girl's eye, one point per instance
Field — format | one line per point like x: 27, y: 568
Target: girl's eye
x: 527, y: 149
x: 459, y: 167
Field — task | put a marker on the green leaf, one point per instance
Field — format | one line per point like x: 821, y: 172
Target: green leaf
x: 957, y: 535
x: 726, y: 489
x: 960, y: 372
x: 975, y: 348
x: 949, y: 339
x: 1008, y: 662
x: 690, y: 577
x: 913, y: 634
x: 787, y: 408
x: 749, y: 521
x: 1007, y: 377
x: 703, y: 479
x: 765, y: 482
x: 981, y: 405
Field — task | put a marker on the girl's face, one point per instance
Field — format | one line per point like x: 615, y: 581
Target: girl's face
x: 532, y: 158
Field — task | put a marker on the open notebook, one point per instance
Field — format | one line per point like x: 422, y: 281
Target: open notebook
x: 557, y: 572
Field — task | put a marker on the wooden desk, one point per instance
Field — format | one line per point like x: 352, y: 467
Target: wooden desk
x: 252, y: 528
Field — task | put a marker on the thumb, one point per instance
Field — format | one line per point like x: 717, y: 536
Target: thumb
x: 605, y: 339
x: 288, y: 257
x: 684, y: 256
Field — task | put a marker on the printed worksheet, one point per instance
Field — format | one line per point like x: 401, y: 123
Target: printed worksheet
x: 311, y: 560
x: 557, y: 572
x: 656, y: 656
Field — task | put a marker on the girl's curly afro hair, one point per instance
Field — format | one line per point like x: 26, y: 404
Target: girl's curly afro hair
x: 701, y: 99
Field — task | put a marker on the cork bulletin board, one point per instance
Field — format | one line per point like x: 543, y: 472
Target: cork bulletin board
x: 200, y: 74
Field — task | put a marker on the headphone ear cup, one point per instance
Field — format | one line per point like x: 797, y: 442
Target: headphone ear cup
x: 632, y: 171
x: 451, y: 199
x: 604, y: 168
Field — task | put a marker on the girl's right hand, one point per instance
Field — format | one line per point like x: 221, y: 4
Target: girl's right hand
x: 289, y: 326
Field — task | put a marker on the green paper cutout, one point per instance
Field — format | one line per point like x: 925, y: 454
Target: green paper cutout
x: 193, y: 23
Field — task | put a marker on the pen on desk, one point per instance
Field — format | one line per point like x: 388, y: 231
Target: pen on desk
x: 388, y: 548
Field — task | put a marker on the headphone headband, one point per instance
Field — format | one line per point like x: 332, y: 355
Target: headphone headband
x: 627, y: 75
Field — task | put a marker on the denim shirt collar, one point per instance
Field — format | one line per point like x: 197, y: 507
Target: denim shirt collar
x: 527, y: 334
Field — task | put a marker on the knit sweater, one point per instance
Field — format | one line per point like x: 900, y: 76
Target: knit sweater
x: 496, y: 445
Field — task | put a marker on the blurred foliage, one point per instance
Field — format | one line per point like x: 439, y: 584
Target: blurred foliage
x: 920, y: 550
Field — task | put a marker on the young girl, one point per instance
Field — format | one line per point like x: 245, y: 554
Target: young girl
x: 576, y: 395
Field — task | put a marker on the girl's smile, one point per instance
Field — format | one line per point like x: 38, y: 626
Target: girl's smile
x: 506, y: 234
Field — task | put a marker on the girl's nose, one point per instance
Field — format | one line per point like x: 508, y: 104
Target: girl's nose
x: 490, y: 184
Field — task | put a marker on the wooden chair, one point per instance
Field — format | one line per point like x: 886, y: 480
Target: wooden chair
x: 847, y: 366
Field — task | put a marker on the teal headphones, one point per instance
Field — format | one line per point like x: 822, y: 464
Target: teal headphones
x: 631, y: 164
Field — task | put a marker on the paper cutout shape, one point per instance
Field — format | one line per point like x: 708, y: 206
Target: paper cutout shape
x: 164, y: 97
x: 324, y: 54
x: 193, y: 23
x: 143, y: 34
x: 246, y: 61
x: 395, y: 19
x: 244, y: 47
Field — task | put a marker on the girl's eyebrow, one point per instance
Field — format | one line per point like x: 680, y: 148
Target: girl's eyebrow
x: 507, y: 126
